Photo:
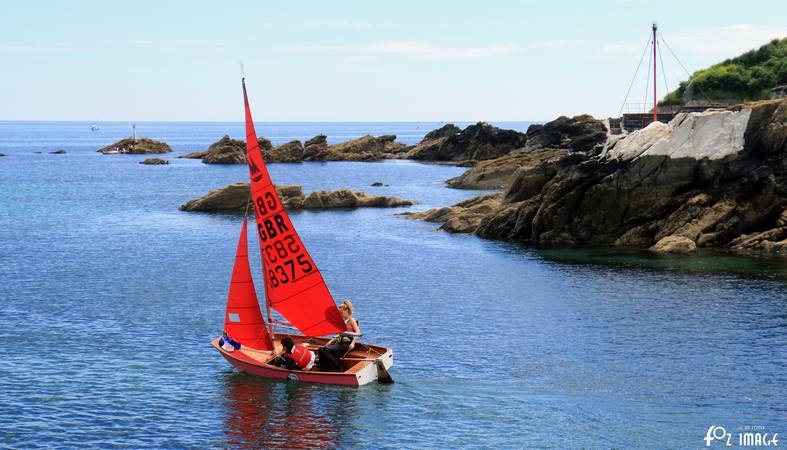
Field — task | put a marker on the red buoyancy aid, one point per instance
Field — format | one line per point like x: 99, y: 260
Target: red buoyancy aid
x: 301, y: 355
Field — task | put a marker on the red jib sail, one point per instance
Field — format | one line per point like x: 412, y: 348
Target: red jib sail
x: 293, y: 284
x: 243, y: 320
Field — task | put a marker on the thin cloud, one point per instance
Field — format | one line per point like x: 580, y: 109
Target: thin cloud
x: 727, y: 40
x: 346, y: 24
x: 412, y: 49
x: 622, y: 48
x: 560, y: 43
x: 182, y: 45
x: 34, y: 48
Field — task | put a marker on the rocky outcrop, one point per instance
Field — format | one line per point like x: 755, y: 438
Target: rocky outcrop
x: 315, y: 146
x: 495, y: 173
x: 235, y: 197
x: 579, y: 133
x: 230, y: 151
x: 154, y: 161
x: 291, y: 152
x: 464, y: 217
x: 445, y: 131
x: 194, y: 155
x: 135, y: 146
x: 718, y: 179
x: 366, y: 148
x: 476, y: 142
x: 346, y: 198
x: 58, y: 152
x: 674, y: 244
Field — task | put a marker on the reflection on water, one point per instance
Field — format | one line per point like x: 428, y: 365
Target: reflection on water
x: 703, y: 261
x: 263, y: 413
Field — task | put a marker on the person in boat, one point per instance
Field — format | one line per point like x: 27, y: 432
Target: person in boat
x: 228, y: 344
x: 331, y: 353
x: 295, y: 356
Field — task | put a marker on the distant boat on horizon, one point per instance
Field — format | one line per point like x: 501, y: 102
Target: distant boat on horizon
x: 94, y: 127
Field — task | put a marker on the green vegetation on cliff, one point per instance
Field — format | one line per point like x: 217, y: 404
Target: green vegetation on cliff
x: 749, y: 76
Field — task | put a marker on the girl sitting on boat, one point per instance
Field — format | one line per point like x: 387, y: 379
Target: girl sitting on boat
x: 336, y: 348
x: 295, y: 357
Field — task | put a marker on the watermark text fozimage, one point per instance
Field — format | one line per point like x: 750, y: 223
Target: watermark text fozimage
x: 750, y: 436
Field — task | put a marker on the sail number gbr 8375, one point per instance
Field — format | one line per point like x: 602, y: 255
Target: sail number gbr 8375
x: 284, y: 256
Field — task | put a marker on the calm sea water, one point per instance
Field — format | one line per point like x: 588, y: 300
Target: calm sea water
x: 110, y: 296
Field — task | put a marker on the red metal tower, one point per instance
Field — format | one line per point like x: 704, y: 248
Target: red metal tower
x: 655, y: 99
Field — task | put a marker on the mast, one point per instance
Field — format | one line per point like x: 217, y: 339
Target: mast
x: 655, y: 100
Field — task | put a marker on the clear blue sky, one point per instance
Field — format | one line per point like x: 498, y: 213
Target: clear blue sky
x: 353, y: 60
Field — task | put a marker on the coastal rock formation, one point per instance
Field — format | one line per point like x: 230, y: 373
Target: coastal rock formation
x: 476, y: 142
x: 495, y: 173
x: 717, y: 178
x: 138, y: 146
x: 674, y: 244
x: 290, y: 152
x: 235, y: 197
x: 58, y: 152
x: 346, y: 198
x: 314, y: 146
x: 194, y: 155
x: 445, y: 131
x: 154, y: 161
x: 229, y: 151
x: 366, y: 148
x: 464, y: 217
x: 578, y: 133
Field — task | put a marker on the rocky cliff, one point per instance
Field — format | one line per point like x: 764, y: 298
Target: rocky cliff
x: 712, y: 179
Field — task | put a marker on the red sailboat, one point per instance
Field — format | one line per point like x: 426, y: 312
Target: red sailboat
x: 294, y: 288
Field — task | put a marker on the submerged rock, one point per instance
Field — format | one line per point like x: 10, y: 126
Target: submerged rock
x: 138, y: 146
x: 717, y: 179
x: 154, y: 161
x: 235, y: 197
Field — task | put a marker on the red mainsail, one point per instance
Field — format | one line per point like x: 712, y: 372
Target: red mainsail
x: 293, y: 285
x: 243, y: 319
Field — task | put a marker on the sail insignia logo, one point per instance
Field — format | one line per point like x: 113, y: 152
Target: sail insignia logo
x: 255, y: 171
x: 750, y: 436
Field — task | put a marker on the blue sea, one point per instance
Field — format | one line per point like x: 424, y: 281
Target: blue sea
x: 110, y: 297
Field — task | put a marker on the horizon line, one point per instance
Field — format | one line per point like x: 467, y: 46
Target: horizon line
x: 270, y: 121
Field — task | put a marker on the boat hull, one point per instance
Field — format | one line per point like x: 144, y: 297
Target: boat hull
x: 361, y: 365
